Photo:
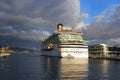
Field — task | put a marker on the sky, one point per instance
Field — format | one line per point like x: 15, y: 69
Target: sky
x: 102, y: 21
x: 25, y: 23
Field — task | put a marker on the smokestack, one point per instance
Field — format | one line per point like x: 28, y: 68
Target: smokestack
x: 59, y: 27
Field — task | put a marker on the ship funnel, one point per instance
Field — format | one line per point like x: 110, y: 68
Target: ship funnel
x: 60, y: 27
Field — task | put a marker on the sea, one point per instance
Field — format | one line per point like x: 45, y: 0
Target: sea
x: 33, y: 66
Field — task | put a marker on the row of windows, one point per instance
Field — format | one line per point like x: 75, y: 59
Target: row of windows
x: 76, y: 52
x: 96, y: 49
x: 67, y: 36
x: 75, y: 49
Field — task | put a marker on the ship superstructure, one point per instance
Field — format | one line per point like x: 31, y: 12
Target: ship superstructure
x: 65, y: 43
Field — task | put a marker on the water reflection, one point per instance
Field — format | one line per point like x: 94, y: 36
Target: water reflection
x: 103, y: 70
x: 35, y: 67
x: 68, y: 69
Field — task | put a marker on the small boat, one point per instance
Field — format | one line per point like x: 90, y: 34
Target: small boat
x: 4, y: 52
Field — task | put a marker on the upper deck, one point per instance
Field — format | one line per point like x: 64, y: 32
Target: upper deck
x: 64, y: 35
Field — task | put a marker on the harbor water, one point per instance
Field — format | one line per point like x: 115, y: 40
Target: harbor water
x: 33, y: 66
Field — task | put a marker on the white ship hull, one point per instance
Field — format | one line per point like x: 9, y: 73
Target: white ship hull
x: 70, y: 51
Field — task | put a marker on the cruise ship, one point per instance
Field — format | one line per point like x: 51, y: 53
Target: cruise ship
x: 65, y: 42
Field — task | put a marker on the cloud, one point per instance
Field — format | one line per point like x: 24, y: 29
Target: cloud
x: 34, y: 19
x: 113, y: 41
x: 106, y: 26
x: 80, y: 25
x: 84, y: 16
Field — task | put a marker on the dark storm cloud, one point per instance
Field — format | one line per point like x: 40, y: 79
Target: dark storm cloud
x: 105, y: 27
x: 34, y: 19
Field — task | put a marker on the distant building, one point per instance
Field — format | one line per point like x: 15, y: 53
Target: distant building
x: 114, y: 51
x: 98, y: 50
x: 103, y: 50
